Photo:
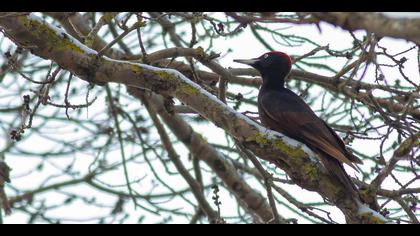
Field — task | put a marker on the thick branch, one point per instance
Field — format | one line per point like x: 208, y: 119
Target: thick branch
x: 376, y: 23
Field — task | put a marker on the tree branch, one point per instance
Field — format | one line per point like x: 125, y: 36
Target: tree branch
x: 377, y: 23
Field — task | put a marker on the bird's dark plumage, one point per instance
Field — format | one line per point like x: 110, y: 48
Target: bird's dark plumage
x: 282, y: 110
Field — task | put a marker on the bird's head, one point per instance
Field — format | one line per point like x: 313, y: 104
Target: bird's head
x: 271, y: 65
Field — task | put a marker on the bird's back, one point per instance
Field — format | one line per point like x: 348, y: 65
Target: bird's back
x: 284, y: 111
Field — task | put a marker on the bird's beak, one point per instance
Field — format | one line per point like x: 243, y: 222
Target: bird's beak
x: 250, y: 62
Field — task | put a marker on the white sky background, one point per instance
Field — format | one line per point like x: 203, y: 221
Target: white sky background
x: 245, y: 46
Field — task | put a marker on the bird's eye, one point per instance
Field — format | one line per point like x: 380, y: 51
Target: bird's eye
x: 265, y: 56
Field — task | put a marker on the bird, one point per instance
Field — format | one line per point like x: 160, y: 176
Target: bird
x: 282, y: 110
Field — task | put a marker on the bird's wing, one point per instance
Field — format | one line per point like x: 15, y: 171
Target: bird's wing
x: 349, y: 155
x: 298, y: 121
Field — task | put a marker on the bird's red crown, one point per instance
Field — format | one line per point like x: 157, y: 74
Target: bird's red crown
x: 282, y: 54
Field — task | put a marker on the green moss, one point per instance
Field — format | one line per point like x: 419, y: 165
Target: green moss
x: 406, y: 146
x: 70, y: 45
x: 187, y: 89
x: 165, y: 75
x: 314, y: 174
x: 310, y: 170
x: 279, y: 144
x: 135, y: 68
x: 369, y: 218
x: 290, y: 151
x: 108, y: 16
x: 52, y: 39
x: 259, y: 138
x: 200, y: 52
x: 368, y: 194
x: 182, y: 87
x: 201, y: 138
x: 89, y: 41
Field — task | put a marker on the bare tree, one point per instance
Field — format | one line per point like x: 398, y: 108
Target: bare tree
x: 105, y: 111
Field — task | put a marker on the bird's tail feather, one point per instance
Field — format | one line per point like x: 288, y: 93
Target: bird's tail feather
x: 336, y: 169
